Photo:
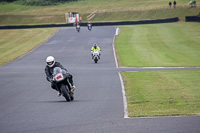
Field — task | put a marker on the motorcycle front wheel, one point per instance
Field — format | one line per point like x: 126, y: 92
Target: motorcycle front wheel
x: 72, y: 96
x: 95, y: 60
x: 65, y: 92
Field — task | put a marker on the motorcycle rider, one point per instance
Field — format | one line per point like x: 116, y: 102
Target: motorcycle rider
x: 77, y: 25
x: 95, y: 47
x: 51, y: 64
x: 89, y: 25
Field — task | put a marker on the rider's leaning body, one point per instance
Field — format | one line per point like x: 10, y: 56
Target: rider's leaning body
x: 97, y: 48
x: 89, y: 25
x: 51, y: 64
x: 77, y: 25
x: 49, y: 70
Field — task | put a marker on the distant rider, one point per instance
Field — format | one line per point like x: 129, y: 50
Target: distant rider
x: 77, y: 25
x: 51, y: 64
x: 95, y: 47
x: 89, y: 25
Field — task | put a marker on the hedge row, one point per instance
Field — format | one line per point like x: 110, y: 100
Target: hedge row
x: 38, y: 2
x: 169, y: 20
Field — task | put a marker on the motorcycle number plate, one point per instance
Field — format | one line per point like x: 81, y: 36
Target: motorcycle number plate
x: 59, y: 77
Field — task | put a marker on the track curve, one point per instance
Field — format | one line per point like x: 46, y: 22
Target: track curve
x: 28, y: 104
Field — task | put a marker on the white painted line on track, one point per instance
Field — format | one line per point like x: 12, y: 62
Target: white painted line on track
x: 124, y: 97
x: 117, y: 31
x: 120, y: 77
x: 116, y: 63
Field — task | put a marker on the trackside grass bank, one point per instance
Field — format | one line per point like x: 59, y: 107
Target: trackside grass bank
x: 159, y: 45
x: 162, y: 93
x: 15, y: 43
x: 107, y: 10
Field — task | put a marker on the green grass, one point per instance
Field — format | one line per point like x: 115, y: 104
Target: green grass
x: 158, y: 45
x: 15, y: 43
x: 144, y: 14
x: 162, y: 93
x: 108, y: 10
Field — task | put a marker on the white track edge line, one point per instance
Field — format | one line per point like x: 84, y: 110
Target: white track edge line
x: 120, y: 77
x: 116, y: 63
x: 124, y: 97
x: 124, y: 93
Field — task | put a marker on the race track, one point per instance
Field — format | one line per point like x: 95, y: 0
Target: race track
x: 29, y: 105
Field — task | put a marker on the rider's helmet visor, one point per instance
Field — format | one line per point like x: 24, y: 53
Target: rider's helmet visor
x: 50, y: 63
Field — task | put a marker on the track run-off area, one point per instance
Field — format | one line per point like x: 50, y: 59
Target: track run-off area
x: 29, y: 105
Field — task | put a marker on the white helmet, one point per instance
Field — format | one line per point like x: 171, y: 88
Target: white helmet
x: 50, y: 61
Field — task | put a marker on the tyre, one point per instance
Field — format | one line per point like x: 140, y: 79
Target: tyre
x: 72, y: 96
x: 95, y: 60
x: 65, y: 92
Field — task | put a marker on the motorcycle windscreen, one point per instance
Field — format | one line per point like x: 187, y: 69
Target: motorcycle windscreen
x: 57, y: 72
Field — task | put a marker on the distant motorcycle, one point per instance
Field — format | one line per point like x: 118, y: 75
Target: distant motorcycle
x: 89, y: 27
x: 96, y: 55
x: 78, y: 27
x: 61, y: 81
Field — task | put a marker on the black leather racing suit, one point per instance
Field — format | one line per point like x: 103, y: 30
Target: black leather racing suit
x: 49, y: 72
x: 88, y: 25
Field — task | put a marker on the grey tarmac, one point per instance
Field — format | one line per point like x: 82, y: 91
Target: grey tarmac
x: 29, y: 105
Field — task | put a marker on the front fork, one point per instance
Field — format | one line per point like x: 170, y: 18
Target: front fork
x: 69, y: 85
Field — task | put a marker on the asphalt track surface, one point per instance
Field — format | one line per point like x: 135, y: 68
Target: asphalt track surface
x: 29, y: 105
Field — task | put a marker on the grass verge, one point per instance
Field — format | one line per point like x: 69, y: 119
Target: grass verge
x: 159, y: 45
x: 162, y: 93
x: 15, y: 43
x: 107, y: 10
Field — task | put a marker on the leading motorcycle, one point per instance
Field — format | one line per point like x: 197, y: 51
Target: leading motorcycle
x: 61, y: 81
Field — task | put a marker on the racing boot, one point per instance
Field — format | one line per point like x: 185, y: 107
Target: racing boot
x: 59, y: 94
x: 73, y: 88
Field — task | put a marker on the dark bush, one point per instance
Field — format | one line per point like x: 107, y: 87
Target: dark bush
x: 42, y: 2
x: 7, y: 0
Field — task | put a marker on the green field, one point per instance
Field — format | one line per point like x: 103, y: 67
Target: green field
x: 15, y: 43
x: 162, y: 93
x: 158, y: 45
x: 107, y: 10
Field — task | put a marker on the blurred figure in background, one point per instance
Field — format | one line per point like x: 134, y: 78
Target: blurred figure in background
x: 174, y: 4
x: 170, y: 4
